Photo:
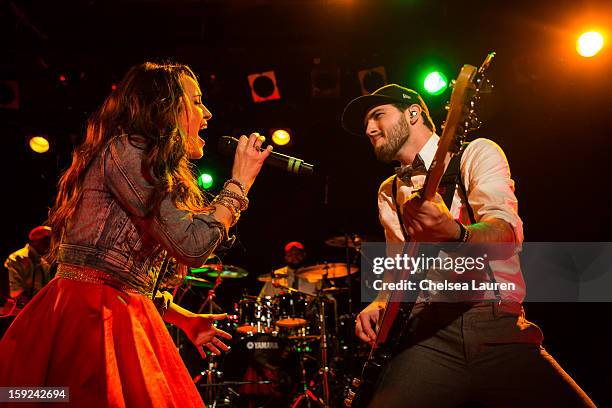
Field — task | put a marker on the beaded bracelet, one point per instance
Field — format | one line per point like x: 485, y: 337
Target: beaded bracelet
x: 242, y: 200
x: 229, y: 204
x: 236, y: 182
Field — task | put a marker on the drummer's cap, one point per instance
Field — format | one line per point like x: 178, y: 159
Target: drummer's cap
x: 39, y: 232
x: 293, y: 244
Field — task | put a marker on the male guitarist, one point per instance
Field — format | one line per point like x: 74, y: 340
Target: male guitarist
x: 482, y: 350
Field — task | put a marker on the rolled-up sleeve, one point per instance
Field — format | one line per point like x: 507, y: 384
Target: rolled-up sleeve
x: 490, y: 188
x: 188, y: 237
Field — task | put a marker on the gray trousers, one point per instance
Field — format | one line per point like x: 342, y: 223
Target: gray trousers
x: 486, y: 355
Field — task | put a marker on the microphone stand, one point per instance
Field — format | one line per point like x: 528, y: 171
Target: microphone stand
x: 210, y: 302
x: 348, y: 270
x: 324, y: 371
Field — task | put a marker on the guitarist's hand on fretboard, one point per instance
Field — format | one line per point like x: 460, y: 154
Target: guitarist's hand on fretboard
x: 365, y: 324
x: 429, y: 221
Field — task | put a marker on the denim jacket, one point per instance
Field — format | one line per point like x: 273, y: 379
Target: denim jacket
x: 110, y: 231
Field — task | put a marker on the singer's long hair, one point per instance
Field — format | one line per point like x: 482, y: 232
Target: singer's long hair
x: 147, y: 102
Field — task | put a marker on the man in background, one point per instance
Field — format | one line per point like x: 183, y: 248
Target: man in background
x: 287, y: 276
x: 27, y: 270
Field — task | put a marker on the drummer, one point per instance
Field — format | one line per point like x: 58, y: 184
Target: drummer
x: 287, y: 276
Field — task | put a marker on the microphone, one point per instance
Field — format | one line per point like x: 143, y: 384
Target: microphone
x: 228, y: 144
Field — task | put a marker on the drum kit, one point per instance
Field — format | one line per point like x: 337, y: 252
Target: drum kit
x: 288, y: 350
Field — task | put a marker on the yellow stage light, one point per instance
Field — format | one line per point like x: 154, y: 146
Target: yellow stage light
x: 589, y: 44
x: 281, y: 137
x: 39, y: 144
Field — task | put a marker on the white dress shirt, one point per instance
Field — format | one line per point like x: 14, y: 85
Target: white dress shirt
x: 486, y: 175
x: 287, y: 279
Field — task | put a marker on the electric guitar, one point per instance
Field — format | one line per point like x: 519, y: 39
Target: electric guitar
x: 460, y: 119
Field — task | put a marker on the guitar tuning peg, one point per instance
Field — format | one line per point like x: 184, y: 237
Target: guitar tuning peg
x: 452, y: 83
x: 447, y: 106
x: 455, y: 147
x: 486, y: 87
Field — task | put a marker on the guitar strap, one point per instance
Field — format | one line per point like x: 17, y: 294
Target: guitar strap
x: 448, y: 184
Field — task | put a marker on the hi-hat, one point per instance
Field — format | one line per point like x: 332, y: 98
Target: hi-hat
x: 332, y: 270
x: 227, y: 271
x: 354, y: 241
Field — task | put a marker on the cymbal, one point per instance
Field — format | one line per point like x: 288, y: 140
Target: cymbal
x: 333, y: 290
x: 354, y: 241
x: 227, y: 271
x: 267, y: 277
x: 306, y: 337
x: 194, y: 281
x: 333, y: 270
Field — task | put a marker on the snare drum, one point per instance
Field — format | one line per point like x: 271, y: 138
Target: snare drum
x: 255, y: 315
x: 291, y: 310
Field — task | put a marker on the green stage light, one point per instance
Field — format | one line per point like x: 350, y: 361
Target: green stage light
x: 205, y: 181
x: 435, y: 83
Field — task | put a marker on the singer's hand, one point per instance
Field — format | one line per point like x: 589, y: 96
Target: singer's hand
x: 200, y: 330
x: 249, y: 159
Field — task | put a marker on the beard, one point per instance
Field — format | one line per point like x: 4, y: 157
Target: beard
x: 395, y: 138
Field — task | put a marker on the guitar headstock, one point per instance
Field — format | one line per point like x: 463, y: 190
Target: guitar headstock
x: 468, y: 88
x: 462, y: 117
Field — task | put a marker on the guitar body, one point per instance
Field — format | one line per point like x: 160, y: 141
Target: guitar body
x: 395, y: 313
x: 365, y: 386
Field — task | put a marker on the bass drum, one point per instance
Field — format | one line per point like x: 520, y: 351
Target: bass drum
x: 258, y: 358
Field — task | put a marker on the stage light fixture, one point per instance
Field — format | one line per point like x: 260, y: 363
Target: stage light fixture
x: 263, y: 87
x: 39, y: 144
x: 205, y: 181
x: 281, y: 137
x: 324, y: 79
x: 589, y: 44
x: 435, y: 83
x: 372, y: 79
x: 9, y: 94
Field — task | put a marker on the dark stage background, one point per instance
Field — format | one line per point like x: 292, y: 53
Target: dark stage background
x: 550, y: 112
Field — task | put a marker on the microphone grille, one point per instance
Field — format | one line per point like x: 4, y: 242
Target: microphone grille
x: 227, y: 144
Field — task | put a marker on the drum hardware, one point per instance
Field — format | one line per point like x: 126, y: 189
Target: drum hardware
x: 211, y: 374
x: 235, y: 383
x: 323, y: 345
x: 286, y: 343
x: 348, y: 242
x: 256, y: 315
x: 291, y: 308
x: 343, y: 241
x: 320, y: 300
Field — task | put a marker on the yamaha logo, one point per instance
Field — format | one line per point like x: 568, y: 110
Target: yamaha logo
x: 262, y: 345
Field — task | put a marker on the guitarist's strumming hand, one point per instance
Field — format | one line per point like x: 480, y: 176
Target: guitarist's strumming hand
x: 429, y: 221
x: 365, y: 324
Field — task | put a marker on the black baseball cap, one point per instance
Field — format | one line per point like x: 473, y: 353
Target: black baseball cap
x: 354, y: 113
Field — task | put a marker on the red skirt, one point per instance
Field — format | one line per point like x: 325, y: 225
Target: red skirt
x: 110, y: 348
